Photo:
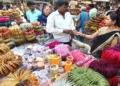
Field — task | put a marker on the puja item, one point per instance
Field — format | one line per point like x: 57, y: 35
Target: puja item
x: 63, y: 50
x: 84, y: 76
x: 39, y: 59
x: 4, y: 48
x: 17, y: 34
x: 4, y: 19
x: 42, y: 76
x: 53, y: 70
x: 9, y: 64
x: 62, y: 82
x: 52, y: 79
x: 19, y: 76
x: 60, y: 70
x: 50, y: 58
x: 56, y: 59
x: 8, y: 61
x: 112, y: 56
x: 106, y: 69
x: 41, y: 65
x: 70, y: 58
x: 68, y: 65
x: 57, y: 75
x: 5, y: 35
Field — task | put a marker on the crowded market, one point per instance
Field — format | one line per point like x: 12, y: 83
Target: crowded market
x: 59, y: 43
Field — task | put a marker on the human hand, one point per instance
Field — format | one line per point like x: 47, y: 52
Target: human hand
x: 75, y: 32
x: 36, y: 23
x: 81, y: 34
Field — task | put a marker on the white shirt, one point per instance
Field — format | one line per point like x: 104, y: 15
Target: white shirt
x: 93, y: 13
x: 56, y: 24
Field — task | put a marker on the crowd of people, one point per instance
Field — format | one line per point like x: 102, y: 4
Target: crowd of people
x: 60, y: 24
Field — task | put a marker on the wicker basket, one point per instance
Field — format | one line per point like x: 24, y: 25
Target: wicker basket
x: 75, y: 11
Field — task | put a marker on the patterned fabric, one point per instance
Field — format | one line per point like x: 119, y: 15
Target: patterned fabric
x: 103, y: 40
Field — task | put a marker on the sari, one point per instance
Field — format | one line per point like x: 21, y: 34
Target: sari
x: 102, y: 40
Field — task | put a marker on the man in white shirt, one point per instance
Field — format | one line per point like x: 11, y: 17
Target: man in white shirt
x: 60, y: 23
x: 93, y: 11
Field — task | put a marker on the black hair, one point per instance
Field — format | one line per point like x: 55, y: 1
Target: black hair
x: 91, y: 5
x: 1, y: 5
x: 107, y: 7
x: 115, y: 17
x: 118, y: 11
x: 29, y: 3
x: 62, y: 2
x: 8, y: 6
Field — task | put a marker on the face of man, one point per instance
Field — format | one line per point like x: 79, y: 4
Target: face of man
x: 63, y: 9
x: 32, y: 7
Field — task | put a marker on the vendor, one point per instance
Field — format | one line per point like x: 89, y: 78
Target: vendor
x: 32, y: 14
x: 60, y: 23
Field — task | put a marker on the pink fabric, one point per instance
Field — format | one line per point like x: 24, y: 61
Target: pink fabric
x: 63, y: 50
x: 77, y: 55
x: 4, y: 19
x: 88, y: 62
x: 53, y: 44
x: 81, y: 59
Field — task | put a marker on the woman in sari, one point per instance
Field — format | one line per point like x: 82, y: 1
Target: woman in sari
x: 107, y: 36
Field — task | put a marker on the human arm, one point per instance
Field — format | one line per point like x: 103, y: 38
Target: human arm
x: 92, y: 36
x: 114, y: 42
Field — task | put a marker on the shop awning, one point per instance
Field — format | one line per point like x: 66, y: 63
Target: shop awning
x: 86, y: 2
x: 102, y: 0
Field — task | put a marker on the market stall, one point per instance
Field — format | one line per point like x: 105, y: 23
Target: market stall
x: 29, y: 57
